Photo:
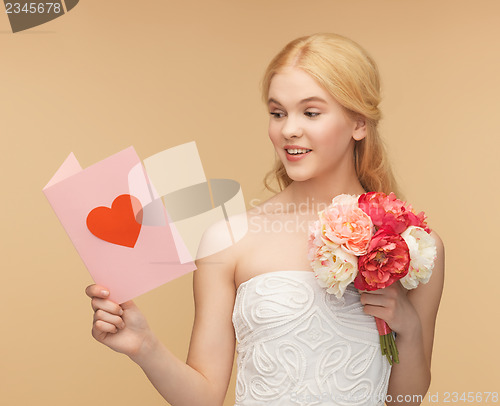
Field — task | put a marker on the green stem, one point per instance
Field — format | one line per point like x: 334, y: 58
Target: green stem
x: 389, y: 349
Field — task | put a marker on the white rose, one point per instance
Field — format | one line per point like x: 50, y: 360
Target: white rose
x: 335, y: 269
x: 423, y: 253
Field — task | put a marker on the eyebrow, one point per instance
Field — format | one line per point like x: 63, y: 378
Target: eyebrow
x: 308, y: 99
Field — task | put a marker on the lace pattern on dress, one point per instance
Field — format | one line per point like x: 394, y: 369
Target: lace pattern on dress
x: 299, y: 345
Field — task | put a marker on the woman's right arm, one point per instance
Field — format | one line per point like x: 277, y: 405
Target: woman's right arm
x: 204, y: 378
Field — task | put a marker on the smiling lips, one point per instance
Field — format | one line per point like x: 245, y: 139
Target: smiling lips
x: 296, y: 152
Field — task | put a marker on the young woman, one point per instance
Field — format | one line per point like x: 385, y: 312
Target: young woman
x: 297, y: 344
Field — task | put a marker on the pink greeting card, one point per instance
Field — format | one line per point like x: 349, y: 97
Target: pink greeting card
x: 118, y: 224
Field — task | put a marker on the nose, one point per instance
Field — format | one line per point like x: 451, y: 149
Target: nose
x: 291, y: 128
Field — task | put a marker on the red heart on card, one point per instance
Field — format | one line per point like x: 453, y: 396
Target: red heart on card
x: 117, y: 224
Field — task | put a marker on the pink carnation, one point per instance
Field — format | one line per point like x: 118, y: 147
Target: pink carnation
x: 386, y: 211
x: 387, y: 260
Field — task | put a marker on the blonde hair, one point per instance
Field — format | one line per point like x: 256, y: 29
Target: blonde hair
x: 351, y: 76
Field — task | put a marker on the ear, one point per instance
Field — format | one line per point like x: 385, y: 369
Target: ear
x: 359, y: 132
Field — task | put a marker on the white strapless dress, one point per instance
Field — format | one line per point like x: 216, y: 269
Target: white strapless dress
x: 299, y: 345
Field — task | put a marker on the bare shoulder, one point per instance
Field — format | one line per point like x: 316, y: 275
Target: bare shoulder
x: 439, y: 263
x: 224, y: 241
x: 216, y: 248
x: 439, y: 244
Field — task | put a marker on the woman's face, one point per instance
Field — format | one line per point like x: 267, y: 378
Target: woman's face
x: 309, y: 129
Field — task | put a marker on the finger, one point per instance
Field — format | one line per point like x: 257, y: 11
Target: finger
x: 102, y: 315
x: 366, y: 298
x: 106, y: 305
x: 129, y: 304
x: 378, y: 311
x: 104, y: 326
x: 96, y: 291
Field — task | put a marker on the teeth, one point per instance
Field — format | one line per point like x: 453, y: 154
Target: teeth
x: 297, y: 151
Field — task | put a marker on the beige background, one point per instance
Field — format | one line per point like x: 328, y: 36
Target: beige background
x: 155, y: 74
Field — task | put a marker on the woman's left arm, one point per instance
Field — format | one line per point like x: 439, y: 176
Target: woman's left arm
x: 412, y: 315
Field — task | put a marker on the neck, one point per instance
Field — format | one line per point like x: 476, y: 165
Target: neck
x: 318, y: 192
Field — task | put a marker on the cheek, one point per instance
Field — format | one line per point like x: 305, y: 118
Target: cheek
x: 273, y: 133
x: 334, y: 137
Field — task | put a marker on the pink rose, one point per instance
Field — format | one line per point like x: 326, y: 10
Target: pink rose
x: 387, y: 260
x: 345, y: 224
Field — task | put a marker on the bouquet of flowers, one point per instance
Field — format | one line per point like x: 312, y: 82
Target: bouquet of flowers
x: 372, y: 240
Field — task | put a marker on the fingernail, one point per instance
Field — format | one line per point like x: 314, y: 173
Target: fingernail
x: 121, y: 312
x: 104, y: 292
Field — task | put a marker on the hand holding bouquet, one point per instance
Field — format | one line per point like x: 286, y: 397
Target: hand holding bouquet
x: 372, y: 240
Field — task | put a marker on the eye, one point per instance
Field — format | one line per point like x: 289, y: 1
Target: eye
x: 311, y: 114
x: 276, y: 115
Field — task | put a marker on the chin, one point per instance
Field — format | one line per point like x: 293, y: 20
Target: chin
x: 298, y: 177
